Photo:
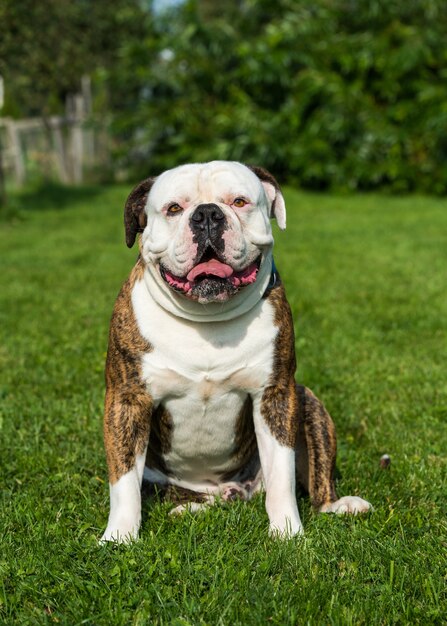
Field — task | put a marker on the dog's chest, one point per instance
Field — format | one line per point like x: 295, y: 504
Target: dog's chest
x: 202, y: 374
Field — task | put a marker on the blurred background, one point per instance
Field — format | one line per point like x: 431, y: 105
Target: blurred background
x: 335, y: 98
x: 327, y: 94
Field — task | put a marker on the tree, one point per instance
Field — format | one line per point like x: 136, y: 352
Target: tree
x: 46, y: 47
x: 327, y: 93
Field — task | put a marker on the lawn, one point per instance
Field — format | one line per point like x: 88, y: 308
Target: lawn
x: 367, y: 280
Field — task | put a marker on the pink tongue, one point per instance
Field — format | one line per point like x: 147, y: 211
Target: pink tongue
x: 211, y: 268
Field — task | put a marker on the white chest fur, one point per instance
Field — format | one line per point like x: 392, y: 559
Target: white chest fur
x: 202, y: 373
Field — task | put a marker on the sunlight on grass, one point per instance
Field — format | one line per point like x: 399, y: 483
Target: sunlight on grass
x: 365, y: 276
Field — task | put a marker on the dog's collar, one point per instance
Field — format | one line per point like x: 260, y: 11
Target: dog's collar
x: 274, y: 278
x: 180, y: 306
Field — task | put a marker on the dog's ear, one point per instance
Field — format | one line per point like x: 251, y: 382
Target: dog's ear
x: 273, y: 192
x: 134, y: 214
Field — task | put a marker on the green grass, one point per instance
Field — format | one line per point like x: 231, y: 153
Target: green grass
x: 366, y: 277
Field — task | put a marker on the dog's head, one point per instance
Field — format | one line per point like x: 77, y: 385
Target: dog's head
x: 206, y: 226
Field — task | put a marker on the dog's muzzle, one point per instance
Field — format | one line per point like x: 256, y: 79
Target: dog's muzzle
x: 208, y: 220
x: 207, y: 224
x: 211, y: 279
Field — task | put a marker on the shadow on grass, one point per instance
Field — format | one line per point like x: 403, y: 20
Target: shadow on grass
x: 152, y: 493
x: 45, y: 196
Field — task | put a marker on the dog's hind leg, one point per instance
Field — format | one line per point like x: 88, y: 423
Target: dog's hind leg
x: 316, y: 449
x: 191, y: 507
x: 194, y: 502
x: 315, y: 457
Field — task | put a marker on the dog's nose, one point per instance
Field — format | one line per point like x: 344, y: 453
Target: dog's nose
x: 207, y: 218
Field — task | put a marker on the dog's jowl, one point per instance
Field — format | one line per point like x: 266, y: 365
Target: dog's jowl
x: 201, y: 394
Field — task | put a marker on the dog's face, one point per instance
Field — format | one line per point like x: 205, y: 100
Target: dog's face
x: 206, y: 227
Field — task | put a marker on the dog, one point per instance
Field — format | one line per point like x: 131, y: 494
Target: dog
x: 200, y: 387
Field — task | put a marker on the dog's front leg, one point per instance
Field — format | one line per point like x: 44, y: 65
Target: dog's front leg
x: 275, y: 427
x: 126, y: 433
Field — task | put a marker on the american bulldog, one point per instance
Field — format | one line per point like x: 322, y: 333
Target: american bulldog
x: 201, y: 393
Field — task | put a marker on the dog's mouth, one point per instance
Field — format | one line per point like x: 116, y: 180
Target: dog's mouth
x: 211, y: 279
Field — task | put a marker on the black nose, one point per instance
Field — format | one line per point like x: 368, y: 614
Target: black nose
x: 207, y: 218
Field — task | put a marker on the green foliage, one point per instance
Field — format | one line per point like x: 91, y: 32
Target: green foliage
x: 46, y: 48
x: 365, y: 275
x: 338, y: 94
x: 327, y: 94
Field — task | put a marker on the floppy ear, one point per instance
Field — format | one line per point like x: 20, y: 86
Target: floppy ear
x: 273, y: 192
x: 134, y: 214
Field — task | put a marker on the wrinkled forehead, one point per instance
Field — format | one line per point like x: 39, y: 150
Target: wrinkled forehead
x: 205, y: 182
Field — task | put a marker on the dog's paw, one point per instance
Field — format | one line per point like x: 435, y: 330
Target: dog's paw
x: 189, y: 507
x: 117, y: 535
x: 233, y: 491
x: 120, y: 533
x: 285, y: 528
x: 285, y: 532
x: 351, y: 505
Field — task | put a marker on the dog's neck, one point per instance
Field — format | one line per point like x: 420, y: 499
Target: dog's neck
x: 190, y: 310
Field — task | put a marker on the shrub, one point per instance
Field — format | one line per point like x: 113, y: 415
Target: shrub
x: 327, y: 93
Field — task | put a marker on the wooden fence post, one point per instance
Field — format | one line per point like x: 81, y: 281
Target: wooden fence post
x: 60, y: 156
x: 75, y: 107
x: 2, y: 173
x: 15, y: 151
x: 65, y: 146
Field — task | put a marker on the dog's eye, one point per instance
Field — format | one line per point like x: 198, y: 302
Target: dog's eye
x: 239, y: 203
x: 174, y: 208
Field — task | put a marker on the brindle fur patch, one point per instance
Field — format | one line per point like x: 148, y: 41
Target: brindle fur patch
x: 245, y: 454
x: 181, y: 495
x: 160, y: 439
x: 128, y: 405
x: 316, y: 448
x: 245, y: 445
x: 279, y: 401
